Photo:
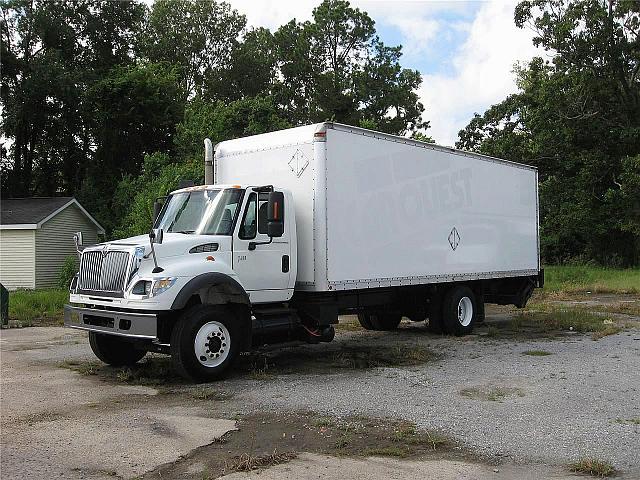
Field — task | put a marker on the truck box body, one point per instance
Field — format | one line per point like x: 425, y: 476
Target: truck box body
x: 376, y: 210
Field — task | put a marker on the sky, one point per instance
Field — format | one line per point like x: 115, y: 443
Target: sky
x: 465, y: 50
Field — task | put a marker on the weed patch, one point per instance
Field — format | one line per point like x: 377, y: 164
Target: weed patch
x: 28, y: 308
x: 349, y: 355
x: 628, y: 421
x: 593, y: 467
x: 247, y: 462
x: 491, y: 393
x: 152, y: 371
x: 573, y: 279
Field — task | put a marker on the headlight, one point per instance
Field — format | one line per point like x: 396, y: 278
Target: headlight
x: 161, y: 285
x: 143, y: 287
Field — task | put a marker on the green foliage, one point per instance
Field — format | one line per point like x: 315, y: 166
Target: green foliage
x: 27, y: 307
x: 577, y: 118
x: 422, y: 137
x: 89, y: 89
x: 51, y: 53
x: 581, y: 278
x: 135, y: 194
x: 68, y: 271
x: 225, y: 120
x: 198, y: 37
x: 336, y: 68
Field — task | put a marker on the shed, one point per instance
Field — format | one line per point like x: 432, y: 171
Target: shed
x: 36, y: 235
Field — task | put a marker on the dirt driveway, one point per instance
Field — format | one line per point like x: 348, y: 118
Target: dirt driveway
x: 501, y: 404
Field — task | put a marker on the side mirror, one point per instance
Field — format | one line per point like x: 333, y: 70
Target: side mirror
x: 275, y: 214
x: 156, y: 235
x: 77, y: 239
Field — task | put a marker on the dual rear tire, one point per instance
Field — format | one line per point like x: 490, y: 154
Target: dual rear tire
x: 381, y: 321
x: 455, y: 312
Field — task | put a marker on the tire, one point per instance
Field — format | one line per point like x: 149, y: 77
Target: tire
x: 384, y: 321
x: 114, y: 350
x: 205, y: 342
x: 459, y: 311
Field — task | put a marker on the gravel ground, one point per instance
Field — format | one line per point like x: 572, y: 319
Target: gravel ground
x: 556, y: 408
x: 526, y: 413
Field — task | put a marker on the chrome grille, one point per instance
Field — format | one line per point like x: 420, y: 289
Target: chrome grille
x: 103, y: 272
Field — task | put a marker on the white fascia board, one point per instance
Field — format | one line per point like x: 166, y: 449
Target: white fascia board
x: 73, y: 201
x: 20, y: 226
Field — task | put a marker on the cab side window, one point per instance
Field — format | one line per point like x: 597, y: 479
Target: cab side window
x: 248, y: 227
x: 262, y: 217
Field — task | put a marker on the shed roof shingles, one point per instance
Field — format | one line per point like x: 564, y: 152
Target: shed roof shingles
x: 18, y: 211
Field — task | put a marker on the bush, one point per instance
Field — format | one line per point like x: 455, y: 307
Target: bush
x: 68, y: 270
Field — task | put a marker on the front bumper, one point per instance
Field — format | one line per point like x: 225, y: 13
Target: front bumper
x: 124, y: 324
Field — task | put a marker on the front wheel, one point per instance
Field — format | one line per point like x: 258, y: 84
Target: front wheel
x: 205, y: 342
x: 459, y: 311
x: 115, y: 350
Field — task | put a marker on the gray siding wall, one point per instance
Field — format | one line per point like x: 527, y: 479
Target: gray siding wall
x: 54, y: 243
x: 17, y: 258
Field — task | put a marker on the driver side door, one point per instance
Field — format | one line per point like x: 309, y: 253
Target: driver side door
x: 264, y: 270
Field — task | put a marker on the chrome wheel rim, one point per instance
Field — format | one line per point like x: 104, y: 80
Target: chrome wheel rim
x: 211, y: 344
x: 465, y: 311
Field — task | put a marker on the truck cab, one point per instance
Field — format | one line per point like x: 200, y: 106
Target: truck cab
x: 229, y: 245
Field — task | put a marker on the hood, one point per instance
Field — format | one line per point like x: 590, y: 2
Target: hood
x: 173, y: 243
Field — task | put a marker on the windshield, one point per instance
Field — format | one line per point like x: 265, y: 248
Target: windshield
x: 204, y: 212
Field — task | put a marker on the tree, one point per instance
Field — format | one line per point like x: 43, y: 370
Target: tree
x: 51, y: 51
x: 135, y: 195
x: 335, y: 67
x: 196, y: 36
x: 223, y: 121
x: 577, y: 118
x: 136, y: 110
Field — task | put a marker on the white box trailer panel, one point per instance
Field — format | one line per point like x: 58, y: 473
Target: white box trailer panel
x: 284, y: 159
x: 399, y: 211
x: 379, y: 210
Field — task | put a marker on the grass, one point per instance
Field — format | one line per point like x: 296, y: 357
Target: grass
x: 491, y: 393
x: 209, y: 393
x: 573, y: 279
x: 247, y: 463
x: 152, y: 371
x: 628, y: 421
x: 555, y: 318
x: 593, y: 467
x: 34, y: 307
x: 537, y: 353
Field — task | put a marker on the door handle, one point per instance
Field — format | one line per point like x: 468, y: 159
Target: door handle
x: 285, y: 263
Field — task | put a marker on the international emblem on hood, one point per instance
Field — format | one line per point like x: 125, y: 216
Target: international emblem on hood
x: 454, y: 238
x: 105, y: 251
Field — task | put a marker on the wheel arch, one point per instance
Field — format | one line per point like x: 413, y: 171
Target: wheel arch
x: 217, y: 288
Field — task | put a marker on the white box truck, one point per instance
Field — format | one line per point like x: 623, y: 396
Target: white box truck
x: 292, y: 229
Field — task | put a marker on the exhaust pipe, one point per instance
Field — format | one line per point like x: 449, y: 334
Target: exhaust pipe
x: 208, y: 162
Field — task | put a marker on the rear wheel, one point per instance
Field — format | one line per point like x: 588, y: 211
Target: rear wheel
x: 205, y: 342
x: 459, y: 311
x: 115, y: 350
x: 379, y: 320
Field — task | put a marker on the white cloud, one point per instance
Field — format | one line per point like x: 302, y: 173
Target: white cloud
x: 482, y: 71
x: 272, y: 14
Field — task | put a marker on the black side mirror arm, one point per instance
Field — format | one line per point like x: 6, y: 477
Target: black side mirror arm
x: 253, y: 245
